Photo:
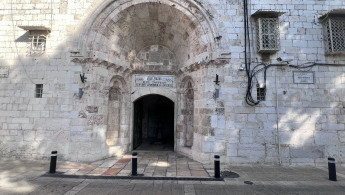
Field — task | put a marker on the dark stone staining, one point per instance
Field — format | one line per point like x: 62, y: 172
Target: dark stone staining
x: 192, y: 26
x: 187, y: 111
x: 171, y: 36
x: 220, y: 111
x: 81, y: 114
x: 165, y: 62
x: 211, y: 132
x: 185, y: 36
x: 220, y: 104
x: 153, y: 12
x: 206, y: 122
x: 92, y: 109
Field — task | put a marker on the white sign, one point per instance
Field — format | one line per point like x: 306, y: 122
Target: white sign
x: 303, y: 77
x: 154, y: 81
x: 3, y: 72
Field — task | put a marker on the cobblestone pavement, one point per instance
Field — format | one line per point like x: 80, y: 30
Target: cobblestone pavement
x: 26, y: 177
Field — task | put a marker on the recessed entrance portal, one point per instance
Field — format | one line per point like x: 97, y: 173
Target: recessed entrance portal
x: 153, y: 127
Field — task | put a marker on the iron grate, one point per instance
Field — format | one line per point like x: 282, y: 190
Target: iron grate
x: 268, y: 34
x: 334, y: 34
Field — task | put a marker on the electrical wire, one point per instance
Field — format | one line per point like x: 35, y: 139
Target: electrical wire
x: 253, y: 72
x: 264, y: 67
x: 247, y: 56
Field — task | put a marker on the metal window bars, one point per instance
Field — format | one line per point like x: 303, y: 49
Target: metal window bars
x: 39, y: 90
x: 38, y: 44
x: 268, y: 40
x: 261, y: 93
x: 334, y: 34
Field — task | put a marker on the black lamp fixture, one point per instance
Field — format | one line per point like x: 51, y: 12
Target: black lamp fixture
x: 217, y: 86
x: 217, y: 80
x: 83, y: 78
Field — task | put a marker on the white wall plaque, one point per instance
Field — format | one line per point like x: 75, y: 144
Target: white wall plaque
x: 154, y: 81
x: 303, y: 77
x: 3, y: 72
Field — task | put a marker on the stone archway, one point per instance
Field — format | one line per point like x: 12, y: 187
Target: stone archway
x: 122, y: 32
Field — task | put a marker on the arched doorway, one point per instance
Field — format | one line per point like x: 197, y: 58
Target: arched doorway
x: 153, y: 124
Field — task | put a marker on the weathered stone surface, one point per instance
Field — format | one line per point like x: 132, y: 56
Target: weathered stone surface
x: 308, y: 152
x: 191, y: 41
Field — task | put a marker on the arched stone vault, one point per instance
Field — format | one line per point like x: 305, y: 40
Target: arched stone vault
x: 119, y: 28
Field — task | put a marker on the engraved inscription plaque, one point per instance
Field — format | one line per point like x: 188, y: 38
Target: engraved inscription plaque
x: 303, y: 77
x: 154, y: 81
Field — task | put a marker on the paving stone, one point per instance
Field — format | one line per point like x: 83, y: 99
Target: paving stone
x: 124, y: 160
x: 266, y: 180
x: 119, y: 166
x: 71, y: 171
x: 98, y: 171
x: 199, y: 173
x: 108, y: 163
x: 112, y: 171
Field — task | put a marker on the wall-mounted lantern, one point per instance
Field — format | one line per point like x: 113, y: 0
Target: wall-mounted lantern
x: 217, y: 80
x: 83, y: 80
x: 217, y: 86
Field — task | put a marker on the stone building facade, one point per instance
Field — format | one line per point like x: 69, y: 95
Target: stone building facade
x: 82, y: 77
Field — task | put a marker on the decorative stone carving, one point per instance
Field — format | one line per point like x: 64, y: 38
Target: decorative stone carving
x: 114, y: 92
x: 189, y: 113
x: 114, y: 114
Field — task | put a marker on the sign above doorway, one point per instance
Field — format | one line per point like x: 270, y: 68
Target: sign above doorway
x: 154, y: 81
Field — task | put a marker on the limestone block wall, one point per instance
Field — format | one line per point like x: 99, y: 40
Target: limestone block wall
x: 32, y: 127
x: 310, y: 117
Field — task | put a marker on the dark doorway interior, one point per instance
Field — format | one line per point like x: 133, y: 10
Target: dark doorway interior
x: 153, y: 123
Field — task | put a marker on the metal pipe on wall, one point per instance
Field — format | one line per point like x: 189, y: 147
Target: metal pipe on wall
x: 277, y: 115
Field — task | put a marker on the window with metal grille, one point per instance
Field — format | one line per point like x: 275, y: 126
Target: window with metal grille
x: 38, y: 44
x: 268, y: 35
x: 39, y: 90
x: 261, y: 93
x: 334, y: 34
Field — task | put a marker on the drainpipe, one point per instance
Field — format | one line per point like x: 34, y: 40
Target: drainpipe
x: 277, y: 115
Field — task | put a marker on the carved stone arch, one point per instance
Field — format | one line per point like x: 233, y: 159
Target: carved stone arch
x: 153, y: 91
x: 121, y: 81
x: 100, y: 30
x: 185, y: 81
x: 187, y: 111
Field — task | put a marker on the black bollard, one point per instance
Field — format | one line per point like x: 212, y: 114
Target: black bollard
x: 53, y: 158
x: 331, y: 169
x: 216, y: 166
x: 134, y: 163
